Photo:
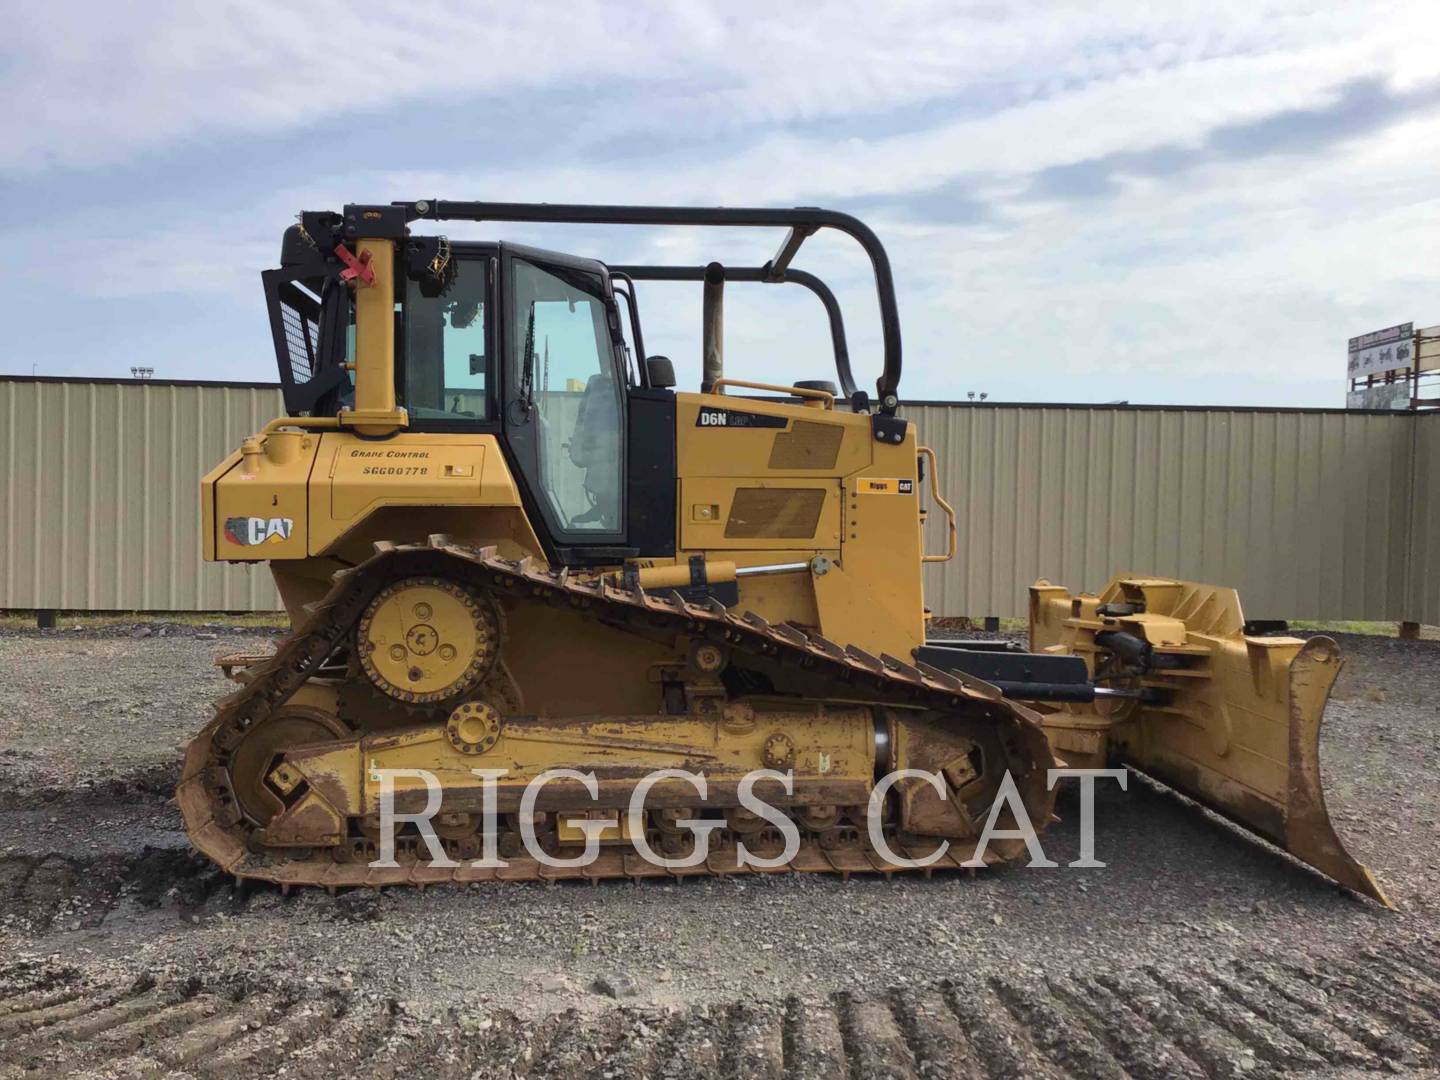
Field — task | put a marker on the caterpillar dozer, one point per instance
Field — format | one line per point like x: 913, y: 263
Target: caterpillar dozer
x: 510, y: 551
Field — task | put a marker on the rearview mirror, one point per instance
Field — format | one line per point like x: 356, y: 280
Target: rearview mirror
x: 660, y: 372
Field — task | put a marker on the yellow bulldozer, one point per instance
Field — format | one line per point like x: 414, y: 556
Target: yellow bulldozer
x: 544, y: 606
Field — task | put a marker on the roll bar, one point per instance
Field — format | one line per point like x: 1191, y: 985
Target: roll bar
x: 802, y: 222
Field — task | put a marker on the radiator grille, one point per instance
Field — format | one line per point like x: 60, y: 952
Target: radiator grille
x: 807, y: 445
x: 774, y: 513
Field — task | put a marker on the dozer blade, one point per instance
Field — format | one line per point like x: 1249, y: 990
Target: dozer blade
x: 1230, y: 720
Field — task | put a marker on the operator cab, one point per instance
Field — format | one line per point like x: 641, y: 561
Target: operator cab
x: 536, y: 354
x: 529, y: 346
x: 516, y: 342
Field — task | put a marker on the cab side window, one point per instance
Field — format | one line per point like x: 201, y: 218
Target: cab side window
x: 446, y: 361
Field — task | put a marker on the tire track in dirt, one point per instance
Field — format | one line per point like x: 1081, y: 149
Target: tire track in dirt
x: 1367, y: 1011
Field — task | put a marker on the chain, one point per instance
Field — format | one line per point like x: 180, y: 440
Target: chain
x: 305, y: 235
x: 442, y: 258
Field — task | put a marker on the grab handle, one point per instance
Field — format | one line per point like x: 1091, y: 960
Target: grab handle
x: 940, y: 500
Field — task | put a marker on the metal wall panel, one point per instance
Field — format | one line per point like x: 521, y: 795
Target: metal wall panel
x: 1423, y: 592
x: 101, y: 490
x: 1308, y: 513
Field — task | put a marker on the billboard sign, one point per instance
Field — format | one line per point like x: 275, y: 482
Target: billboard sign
x: 1382, y: 351
x: 1394, y: 395
x: 1427, y: 348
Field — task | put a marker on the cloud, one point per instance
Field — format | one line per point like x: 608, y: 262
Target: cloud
x: 84, y: 89
x: 1359, y: 109
x: 1208, y: 282
x: 1077, y: 200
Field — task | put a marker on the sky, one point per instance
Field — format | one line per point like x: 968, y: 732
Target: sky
x: 1160, y: 203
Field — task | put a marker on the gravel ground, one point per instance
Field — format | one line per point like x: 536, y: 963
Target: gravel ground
x: 1195, y: 950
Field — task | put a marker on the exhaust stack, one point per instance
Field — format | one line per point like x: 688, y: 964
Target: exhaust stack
x: 712, y: 328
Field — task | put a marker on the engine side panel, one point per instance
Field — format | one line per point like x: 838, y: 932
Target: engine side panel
x: 765, y: 482
x: 295, y: 495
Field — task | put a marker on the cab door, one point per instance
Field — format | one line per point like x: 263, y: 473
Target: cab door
x: 565, y: 401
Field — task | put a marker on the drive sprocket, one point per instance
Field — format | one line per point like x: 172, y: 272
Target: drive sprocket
x: 427, y: 639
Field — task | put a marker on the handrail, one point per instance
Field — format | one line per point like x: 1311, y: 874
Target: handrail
x: 949, y: 510
x: 775, y: 388
x: 632, y: 307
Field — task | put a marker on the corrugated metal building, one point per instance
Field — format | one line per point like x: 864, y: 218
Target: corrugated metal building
x: 101, y: 487
x: 1318, y: 514
x: 1422, y: 581
x: 1311, y: 514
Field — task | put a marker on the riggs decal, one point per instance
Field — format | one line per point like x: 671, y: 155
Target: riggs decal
x: 868, y: 485
x: 251, y: 531
x: 729, y: 418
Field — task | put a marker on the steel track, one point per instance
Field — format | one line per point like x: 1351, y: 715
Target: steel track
x: 218, y: 829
